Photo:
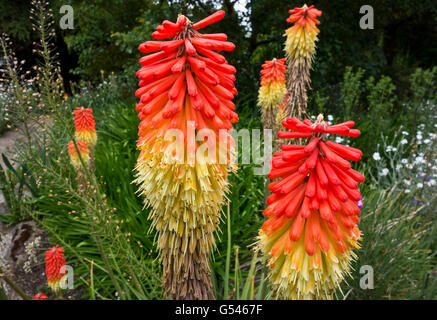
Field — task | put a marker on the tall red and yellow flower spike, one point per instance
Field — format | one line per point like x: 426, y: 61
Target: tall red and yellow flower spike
x: 311, y: 229
x: 55, y: 260
x: 272, y: 90
x: 85, y: 126
x: 186, y: 89
x: 84, y: 152
x: 299, y: 48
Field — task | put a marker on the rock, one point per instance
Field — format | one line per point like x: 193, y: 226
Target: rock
x: 13, y: 241
x: 3, y: 206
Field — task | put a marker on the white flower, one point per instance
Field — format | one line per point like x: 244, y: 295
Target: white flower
x: 390, y: 149
x: 407, y: 182
x: 426, y: 141
x: 384, y: 172
x: 419, y: 160
x: 410, y: 166
x: 405, y: 133
x: 420, y: 185
x: 419, y: 136
x: 376, y: 156
x: 398, y: 166
x: 330, y: 117
x: 431, y: 183
x: 404, y: 161
x: 407, y: 191
x: 339, y: 139
x: 404, y: 141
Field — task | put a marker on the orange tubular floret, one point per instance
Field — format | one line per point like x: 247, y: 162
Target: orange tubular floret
x: 217, y: 16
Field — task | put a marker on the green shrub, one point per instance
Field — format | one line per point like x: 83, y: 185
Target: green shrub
x: 398, y: 219
x: 398, y: 244
x: 422, y: 98
x: 351, y: 89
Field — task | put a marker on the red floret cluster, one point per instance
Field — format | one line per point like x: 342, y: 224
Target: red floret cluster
x: 185, y: 79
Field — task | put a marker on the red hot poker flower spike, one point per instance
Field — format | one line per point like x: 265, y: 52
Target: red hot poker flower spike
x: 313, y: 213
x: 185, y: 84
x: 272, y: 90
x: 85, y: 126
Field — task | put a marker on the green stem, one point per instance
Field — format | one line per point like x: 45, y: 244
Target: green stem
x: 106, y: 262
x: 228, y: 254
x: 92, y: 294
